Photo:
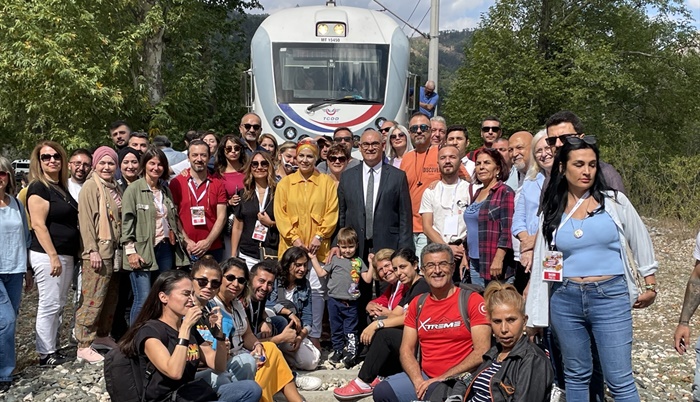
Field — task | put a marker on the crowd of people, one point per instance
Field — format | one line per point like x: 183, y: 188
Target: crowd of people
x: 505, y: 272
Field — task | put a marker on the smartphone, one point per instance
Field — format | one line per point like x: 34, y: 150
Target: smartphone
x: 682, y: 344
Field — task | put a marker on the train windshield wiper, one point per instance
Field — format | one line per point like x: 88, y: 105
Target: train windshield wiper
x: 345, y: 99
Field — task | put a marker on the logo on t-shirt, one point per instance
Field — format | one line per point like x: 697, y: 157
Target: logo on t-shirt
x: 192, y: 352
x: 482, y: 308
x: 427, y: 326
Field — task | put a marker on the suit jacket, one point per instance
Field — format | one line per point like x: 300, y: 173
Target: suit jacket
x: 393, y: 225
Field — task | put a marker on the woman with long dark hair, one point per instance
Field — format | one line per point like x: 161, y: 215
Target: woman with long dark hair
x: 291, y: 301
x: 55, y: 243
x: 255, y: 230
x: 586, y: 236
x: 165, y: 333
x: 230, y: 166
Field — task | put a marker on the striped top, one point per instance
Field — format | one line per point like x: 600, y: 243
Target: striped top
x: 482, y: 384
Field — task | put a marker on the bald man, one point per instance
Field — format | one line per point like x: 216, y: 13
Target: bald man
x: 250, y: 129
x: 520, y: 149
x: 428, y: 99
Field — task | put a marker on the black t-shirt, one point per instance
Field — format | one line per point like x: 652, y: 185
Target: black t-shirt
x: 160, y: 384
x: 418, y: 288
x: 62, y: 219
x: 247, y: 211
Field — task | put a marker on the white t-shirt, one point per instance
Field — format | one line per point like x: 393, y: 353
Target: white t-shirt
x: 447, y: 201
x: 470, y: 166
x: 235, y: 324
x: 74, y: 188
x: 696, y: 252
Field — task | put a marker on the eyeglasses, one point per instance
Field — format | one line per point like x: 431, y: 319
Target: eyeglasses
x: 202, y: 282
x: 395, y: 136
x: 334, y: 159
x: 4, y: 174
x: 486, y: 129
x: 47, y: 157
x: 255, y: 127
x: 235, y: 148
x: 342, y: 139
x: 589, y: 139
x: 422, y: 127
x: 552, y: 141
x: 79, y: 165
x: 433, y: 265
x: 259, y: 164
x: 241, y: 279
x: 368, y: 145
x: 385, y: 130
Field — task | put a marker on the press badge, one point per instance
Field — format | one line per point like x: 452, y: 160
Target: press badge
x: 451, y: 225
x: 198, y: 216
x: 260, y: 231
x: 552, y: 266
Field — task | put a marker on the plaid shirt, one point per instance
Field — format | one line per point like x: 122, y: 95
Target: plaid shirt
x: 495, y: 219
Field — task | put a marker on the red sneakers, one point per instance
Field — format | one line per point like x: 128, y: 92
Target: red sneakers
x: 352, y: 391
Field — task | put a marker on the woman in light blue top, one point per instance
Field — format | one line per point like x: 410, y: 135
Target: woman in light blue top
x: 527, y: 201
x: 14, y: 242
x: 591, y: 307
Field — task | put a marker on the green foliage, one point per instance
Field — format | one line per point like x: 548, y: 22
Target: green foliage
x: 70, y: 67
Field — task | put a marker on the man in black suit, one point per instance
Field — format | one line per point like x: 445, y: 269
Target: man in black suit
x: 373, y: 199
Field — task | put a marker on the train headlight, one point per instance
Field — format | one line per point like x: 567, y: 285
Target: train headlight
x: 278, y: 122
x: 290, y: 133
x: 321, y: 29
x: 336, y: 29
x: 339, y: 29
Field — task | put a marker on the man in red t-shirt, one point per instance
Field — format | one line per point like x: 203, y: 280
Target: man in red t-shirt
x: 201, y: 204
x: 447, y: 347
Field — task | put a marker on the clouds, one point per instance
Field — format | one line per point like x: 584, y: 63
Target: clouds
x: 454, y: 14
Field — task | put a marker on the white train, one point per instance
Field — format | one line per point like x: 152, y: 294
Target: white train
x: 314, y: 69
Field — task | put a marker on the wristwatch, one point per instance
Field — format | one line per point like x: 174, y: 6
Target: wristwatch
x: 380, y: 324
x: 268, y: 320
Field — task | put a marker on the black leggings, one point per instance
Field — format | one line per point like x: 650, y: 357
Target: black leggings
x: 383, y: 356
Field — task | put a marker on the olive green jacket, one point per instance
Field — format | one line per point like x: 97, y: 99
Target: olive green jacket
x: 139, y: 224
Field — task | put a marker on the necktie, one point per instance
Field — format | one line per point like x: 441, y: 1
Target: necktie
x: 369, y: 206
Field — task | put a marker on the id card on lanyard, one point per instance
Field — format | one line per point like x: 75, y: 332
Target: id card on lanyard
x: 553, y: 263
x: 197, y: 212
x: 260, y: 231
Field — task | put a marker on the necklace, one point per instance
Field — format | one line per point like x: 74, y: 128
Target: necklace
x: 578, y: 233
x: 416, y: 169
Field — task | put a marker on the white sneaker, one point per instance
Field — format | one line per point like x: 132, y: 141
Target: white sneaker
x: 89, y: 355
x: 308, y: 383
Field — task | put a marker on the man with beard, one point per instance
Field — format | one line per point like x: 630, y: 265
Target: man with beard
x: 201, y: 204
x: 490, y: 131
x: 119, y: 132
x: 442, y: 207
x: 449, y: 346
x: 139, y: 141
x: 250, y: 129
x: 79, y: 165
x: 341, y: 135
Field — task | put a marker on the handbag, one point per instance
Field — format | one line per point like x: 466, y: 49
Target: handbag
x: 194, y: 391
x: 267, y: 253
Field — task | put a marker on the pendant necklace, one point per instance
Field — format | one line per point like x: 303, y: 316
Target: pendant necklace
x: 578, y: 233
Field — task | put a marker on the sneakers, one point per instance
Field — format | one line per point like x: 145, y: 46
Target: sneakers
x: 352, y: 391
x: 336, y: 356
x: 308, y: 383
x: 376, y: 382
x: 89, y: 355
x: 104, y: 343
x: 53, y: 360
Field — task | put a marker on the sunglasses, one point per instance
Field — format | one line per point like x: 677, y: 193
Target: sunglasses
x: 202, y: 282
x: 47, y: 157
x: 552, y: 141
x: 4, y: 174
x: 236, y: 148
x: 395, y: 136
x: 590, y: 140
x: 241, y: 279
x: 385, y: 130
x: 486, y: 129
x: 260, y: 164
x: 255, y: 127
x: 334, y: 159
x: 423, y: 128
x: 342, y: 139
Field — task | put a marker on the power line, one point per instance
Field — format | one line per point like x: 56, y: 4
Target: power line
x: 409, y: 17
x: 421, y: 21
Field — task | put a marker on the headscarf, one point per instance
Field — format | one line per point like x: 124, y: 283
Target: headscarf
x: 101, y: 152
x: 126, y: 151
x: 310, y: 144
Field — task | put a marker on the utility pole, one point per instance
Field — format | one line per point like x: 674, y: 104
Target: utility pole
x: 433, y: 46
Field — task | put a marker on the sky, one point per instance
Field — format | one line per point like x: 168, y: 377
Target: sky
x: 454, y: 14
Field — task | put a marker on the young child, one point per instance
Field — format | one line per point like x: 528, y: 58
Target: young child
x: 343, y: 273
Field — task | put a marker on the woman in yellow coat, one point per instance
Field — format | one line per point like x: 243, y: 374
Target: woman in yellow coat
x: 306, y: 205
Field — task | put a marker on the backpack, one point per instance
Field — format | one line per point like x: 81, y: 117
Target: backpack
x: 126, y: 378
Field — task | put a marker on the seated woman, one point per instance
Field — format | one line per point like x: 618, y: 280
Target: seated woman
x: 291, y: 300
x: 206, y: 276
x: 514, y: 369
x: 394, y: 290
x: 165, y: 333
x: 384, y: 336
x: 272, y: 373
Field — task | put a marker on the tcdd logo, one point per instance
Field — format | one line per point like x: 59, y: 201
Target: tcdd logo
x: 331, y: 111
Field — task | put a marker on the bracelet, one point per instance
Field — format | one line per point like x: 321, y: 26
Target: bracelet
x: 319, y: 237
x: 183, y: 342
x: 650, y: 286
x: 682, y: 322
x: 256, y: 344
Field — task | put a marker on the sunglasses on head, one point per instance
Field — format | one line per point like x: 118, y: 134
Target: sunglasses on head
x: 47, y: 157
x: 231, y: 277
x: 334, y: 159
x: 395, y: 136
x: 423, y: 128
x: 589, y: 139
x: 202, y: 282
x: 257, y: 164
x: 236, y: 148
x: 552, y: 141
x: 255, y: 127
x: 486, y: 129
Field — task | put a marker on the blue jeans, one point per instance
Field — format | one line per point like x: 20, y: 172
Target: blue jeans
x: 399, y: 388
x: 141, y: 281
x: 239, y: 391
x: 242, y: 367
x: 343, y: 317
x: 696, y: 381
x: 10, y: 298
x: 476, y: 277
x: 588, y: 315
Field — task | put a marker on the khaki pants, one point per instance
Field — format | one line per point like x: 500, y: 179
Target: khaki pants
x: 100, y: 291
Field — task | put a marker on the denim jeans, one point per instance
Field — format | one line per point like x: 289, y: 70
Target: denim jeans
x: 141, y: 281
x: 600, y: 313
x: 343, y: 317
x: 696, y: 381
x: 420, y: 240
x: 242, y: 367
x: 10, y: 298
x: 399, y: 388
x: 229, y: 389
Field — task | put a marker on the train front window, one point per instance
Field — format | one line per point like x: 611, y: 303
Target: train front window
x: 312, y: 72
